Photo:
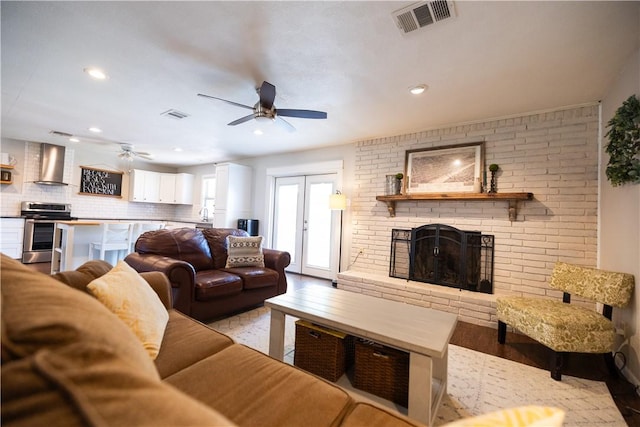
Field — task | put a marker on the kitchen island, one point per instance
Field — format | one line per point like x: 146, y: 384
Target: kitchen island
x: 71, y: 241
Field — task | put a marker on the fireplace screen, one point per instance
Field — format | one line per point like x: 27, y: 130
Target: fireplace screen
x: 443, y: 255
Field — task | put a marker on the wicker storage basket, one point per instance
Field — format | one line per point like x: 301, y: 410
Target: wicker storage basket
x: 383, y: 371
x: 322, y: 351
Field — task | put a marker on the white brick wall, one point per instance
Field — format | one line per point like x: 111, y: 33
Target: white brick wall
x: 553, y: 155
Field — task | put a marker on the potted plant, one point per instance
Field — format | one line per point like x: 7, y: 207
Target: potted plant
x: 394, y: 184
x: 493, y: 168
x: 624, y: 144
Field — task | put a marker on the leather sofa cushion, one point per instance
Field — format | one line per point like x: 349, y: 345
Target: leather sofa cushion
x: 185, y: 342
x: 212, y: 284
x: 254, y: 390
x: 185, y: 244
x: 255, y: 277
x: 217, y: 239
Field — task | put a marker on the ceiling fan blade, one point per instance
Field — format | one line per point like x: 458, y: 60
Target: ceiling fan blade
x: 285, y: 124
x: 302, y: 114
x: 145, y: 156
x: 224, y: 100
x: 267, y: 95
x: 242, y: 120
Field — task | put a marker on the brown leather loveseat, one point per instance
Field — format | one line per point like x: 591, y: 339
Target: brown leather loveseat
x: 194, y: 260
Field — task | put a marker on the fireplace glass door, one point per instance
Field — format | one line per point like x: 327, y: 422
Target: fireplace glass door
x: 443, y: 255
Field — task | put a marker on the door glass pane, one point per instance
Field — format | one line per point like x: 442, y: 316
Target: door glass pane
x: 285, y: 218
x: 318, y: 245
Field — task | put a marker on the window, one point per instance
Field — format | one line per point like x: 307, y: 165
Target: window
x: 209, y: 192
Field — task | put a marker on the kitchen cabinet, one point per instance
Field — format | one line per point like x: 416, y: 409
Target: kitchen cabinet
x: 156, y: 187
x: 233, y: 194
x: 145, y: 186
x: 184, y: 189
x: 167, y: 188
x: 170, y: 225
x: 11, y: 237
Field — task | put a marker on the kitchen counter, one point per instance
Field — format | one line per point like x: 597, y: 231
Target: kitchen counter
x: 73, y: 239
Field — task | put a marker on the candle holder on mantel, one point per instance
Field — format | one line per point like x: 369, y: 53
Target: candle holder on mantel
x: 493, y: 168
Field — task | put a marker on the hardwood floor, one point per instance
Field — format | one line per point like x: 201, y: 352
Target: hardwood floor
x: 522, y: 349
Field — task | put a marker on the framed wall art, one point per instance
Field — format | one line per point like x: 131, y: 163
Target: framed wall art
x: 449, y: 169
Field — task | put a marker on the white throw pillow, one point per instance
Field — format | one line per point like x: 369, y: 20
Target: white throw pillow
x: 244, y: 252
x: 123, y: 291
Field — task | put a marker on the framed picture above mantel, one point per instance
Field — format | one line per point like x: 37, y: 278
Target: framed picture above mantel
x: 448, y: 169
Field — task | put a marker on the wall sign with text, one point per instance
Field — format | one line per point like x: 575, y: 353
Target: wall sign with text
x: 100, y: 182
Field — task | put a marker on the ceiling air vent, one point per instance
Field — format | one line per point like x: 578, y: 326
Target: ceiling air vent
x: 175, y: 114
x: 58, y: 133
x: 422, y: 14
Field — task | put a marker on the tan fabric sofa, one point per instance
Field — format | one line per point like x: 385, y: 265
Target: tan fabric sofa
x: 68, y: 361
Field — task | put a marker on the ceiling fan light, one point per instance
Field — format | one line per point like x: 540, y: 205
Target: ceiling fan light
x: 264, y: 119
x: 418, y: 89
x: 96, y: 73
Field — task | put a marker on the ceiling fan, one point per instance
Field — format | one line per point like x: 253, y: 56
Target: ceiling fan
x: 265, y: 110
x: 127, y: 153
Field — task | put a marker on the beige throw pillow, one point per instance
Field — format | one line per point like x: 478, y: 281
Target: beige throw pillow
x: 244, y: 252
x: 123, y: 291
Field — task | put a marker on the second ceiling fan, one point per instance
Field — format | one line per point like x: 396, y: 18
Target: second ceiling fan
x: 264, y: 109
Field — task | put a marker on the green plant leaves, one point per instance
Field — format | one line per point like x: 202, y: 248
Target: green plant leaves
x: 624, y: 144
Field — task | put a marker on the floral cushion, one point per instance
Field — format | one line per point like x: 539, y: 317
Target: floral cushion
x: 607, y: 287
x: 559, y: 326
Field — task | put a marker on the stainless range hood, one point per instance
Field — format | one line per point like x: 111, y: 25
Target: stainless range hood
x: 51, y: 164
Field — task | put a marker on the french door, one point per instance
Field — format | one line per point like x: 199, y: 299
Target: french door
x: 304, y: 225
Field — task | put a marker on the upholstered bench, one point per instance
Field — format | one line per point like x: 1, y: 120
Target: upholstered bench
x: 564, y: 327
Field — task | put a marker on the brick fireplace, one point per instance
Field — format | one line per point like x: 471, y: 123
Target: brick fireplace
x: 553, y: 155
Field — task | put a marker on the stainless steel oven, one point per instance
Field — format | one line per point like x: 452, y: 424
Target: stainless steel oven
x: 39, y: 227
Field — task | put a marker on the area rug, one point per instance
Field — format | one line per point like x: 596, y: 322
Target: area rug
x: 478, y: 382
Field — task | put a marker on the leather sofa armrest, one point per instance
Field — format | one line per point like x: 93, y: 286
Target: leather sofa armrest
x: 181, y: 275
x: 278, y: 261
x: 161, y: 285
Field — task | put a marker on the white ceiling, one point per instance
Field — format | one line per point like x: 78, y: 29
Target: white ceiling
x: 347, y: 58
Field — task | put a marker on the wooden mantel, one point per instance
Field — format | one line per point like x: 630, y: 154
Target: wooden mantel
x: 512, y: 198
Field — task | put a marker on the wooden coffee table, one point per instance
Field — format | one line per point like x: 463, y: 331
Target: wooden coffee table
x: 422, y: 332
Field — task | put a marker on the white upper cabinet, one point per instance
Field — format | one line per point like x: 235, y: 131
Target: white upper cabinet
x: 156, y: 187
x: 184, y: 188
x: 145, y: 186
x: 167, y: 188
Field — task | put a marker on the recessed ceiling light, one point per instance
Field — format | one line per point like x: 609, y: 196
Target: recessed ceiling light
x: 95, y: 129
x: 418, y: 89
x: 257, y: 132
x: 96, y: 73
x: 177, y: 149
x: 74, y: 139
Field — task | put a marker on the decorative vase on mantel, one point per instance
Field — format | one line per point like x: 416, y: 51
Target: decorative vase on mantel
x: 393, y: 184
